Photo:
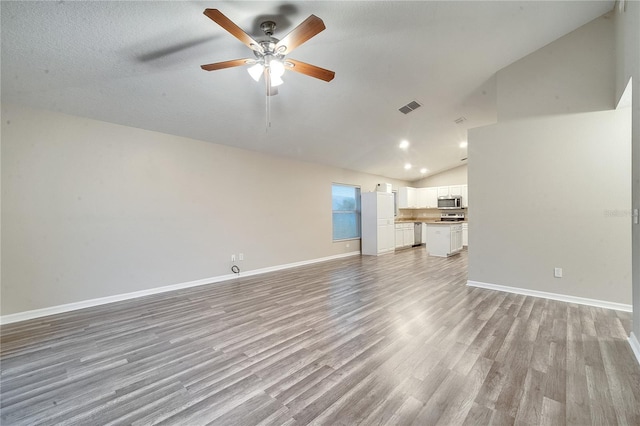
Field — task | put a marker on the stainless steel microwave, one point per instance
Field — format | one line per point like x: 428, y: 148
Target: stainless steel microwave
x: 450, y: 202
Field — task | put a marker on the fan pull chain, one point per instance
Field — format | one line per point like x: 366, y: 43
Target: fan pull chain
x: 267, y: 113
x: 267, y: 104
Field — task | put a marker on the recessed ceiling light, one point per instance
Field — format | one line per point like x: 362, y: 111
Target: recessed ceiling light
x: 463, y: 144
x: 407, y: 166
x: 423, y: 170
x: 404, y: 144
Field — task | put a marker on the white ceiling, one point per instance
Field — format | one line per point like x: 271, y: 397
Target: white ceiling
x: 138, y: 64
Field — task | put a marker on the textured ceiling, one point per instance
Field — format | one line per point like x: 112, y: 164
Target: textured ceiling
x: 138, y: 64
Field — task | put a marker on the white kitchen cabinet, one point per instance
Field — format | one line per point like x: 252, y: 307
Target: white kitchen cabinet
x: 424, y: 234
x: 408, y: 234
x: 465, y: 234
x: 444, y: 240
x: 378, y: 227
x: 399, y: 231
x: 404, y: 233
x: 455, y: 190
x: 412, y: 197
x: 432, y: 198
x: 428, y: 198
x: 456, y: 239
x: 443, y: 191
x: 451, y: 190
x: 465, y: 196
x: 386, y: 238
x: 407, y: 197
x: 422, y: 197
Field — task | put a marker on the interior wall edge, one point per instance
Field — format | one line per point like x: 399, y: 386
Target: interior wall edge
x: 635, y: 346
x: 68, y: 307
x: 553, y: 296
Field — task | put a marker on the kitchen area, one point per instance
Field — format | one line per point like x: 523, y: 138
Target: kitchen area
x: 432, y: 217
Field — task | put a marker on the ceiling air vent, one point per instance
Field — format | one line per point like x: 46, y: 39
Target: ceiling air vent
x: 410, y: 107
x: 459, y: 120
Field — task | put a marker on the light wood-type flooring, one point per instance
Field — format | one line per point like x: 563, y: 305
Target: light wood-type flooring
x: 397, y: 339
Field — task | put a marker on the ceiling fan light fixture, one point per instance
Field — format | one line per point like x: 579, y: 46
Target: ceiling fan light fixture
x: 276, y: 68
x: 276, y: 81
x: 256, y: 71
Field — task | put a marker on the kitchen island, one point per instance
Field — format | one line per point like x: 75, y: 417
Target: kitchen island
x: 444, y: 238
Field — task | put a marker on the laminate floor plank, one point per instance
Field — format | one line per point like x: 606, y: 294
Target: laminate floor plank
x: 382, y: 413
x: 406, y: 414
x: 390, y: 340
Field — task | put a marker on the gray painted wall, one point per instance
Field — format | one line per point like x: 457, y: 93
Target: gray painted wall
x: 92, y: 209
x: 553, y: 191
x: 575, y: 73
x: 627, y: 25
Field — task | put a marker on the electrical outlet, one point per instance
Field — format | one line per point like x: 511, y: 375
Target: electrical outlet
x: 233, y: 257
x: 241, y: 256
x: 557, y: 272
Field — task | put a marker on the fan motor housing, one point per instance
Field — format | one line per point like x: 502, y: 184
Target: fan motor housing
x: 268, y: 27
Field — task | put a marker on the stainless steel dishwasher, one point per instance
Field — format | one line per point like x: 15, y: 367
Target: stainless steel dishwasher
x: 417, y: 233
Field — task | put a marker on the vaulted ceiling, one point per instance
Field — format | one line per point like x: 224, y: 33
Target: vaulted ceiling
x: 138, y: 64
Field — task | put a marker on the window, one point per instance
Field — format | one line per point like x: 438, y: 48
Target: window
x: 345, y: 202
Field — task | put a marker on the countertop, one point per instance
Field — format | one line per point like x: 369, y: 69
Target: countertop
x: 431, y: 221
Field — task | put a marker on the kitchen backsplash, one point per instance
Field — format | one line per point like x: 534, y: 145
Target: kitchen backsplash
x: 428, y: 214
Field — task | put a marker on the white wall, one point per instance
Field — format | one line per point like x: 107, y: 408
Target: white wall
x: 455, y: 176
x: 92, y: 209
x: 552, y: 192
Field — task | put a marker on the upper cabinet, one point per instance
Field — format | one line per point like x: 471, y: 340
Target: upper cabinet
x: 455, y: 190
x: 449, y: 191
x: 443, y: 191
x: 407, y: 197
x: 427, y: 198
x: 465, y: 196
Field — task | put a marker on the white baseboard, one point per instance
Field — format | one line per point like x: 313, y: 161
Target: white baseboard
x: 635, y: 345
x: 553, y: 296
x: 52, y: 310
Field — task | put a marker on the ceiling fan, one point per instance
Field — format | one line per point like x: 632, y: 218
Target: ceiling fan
x: 270, y: 53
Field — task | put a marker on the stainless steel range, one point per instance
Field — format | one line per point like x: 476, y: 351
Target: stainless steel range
x: 452, y: 217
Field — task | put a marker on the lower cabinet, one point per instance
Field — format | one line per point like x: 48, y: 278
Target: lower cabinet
x: 424, y: 234
x: 456, y: 238
x: 399, y: 235
x: 409, y: 234
x: 465, y: 234
x: 404, y: 234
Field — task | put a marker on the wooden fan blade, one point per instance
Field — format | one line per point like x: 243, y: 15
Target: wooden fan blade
x: 303, y: 32
x: 216, y: 16
x: 225, y: 64
x: 308, y: 69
